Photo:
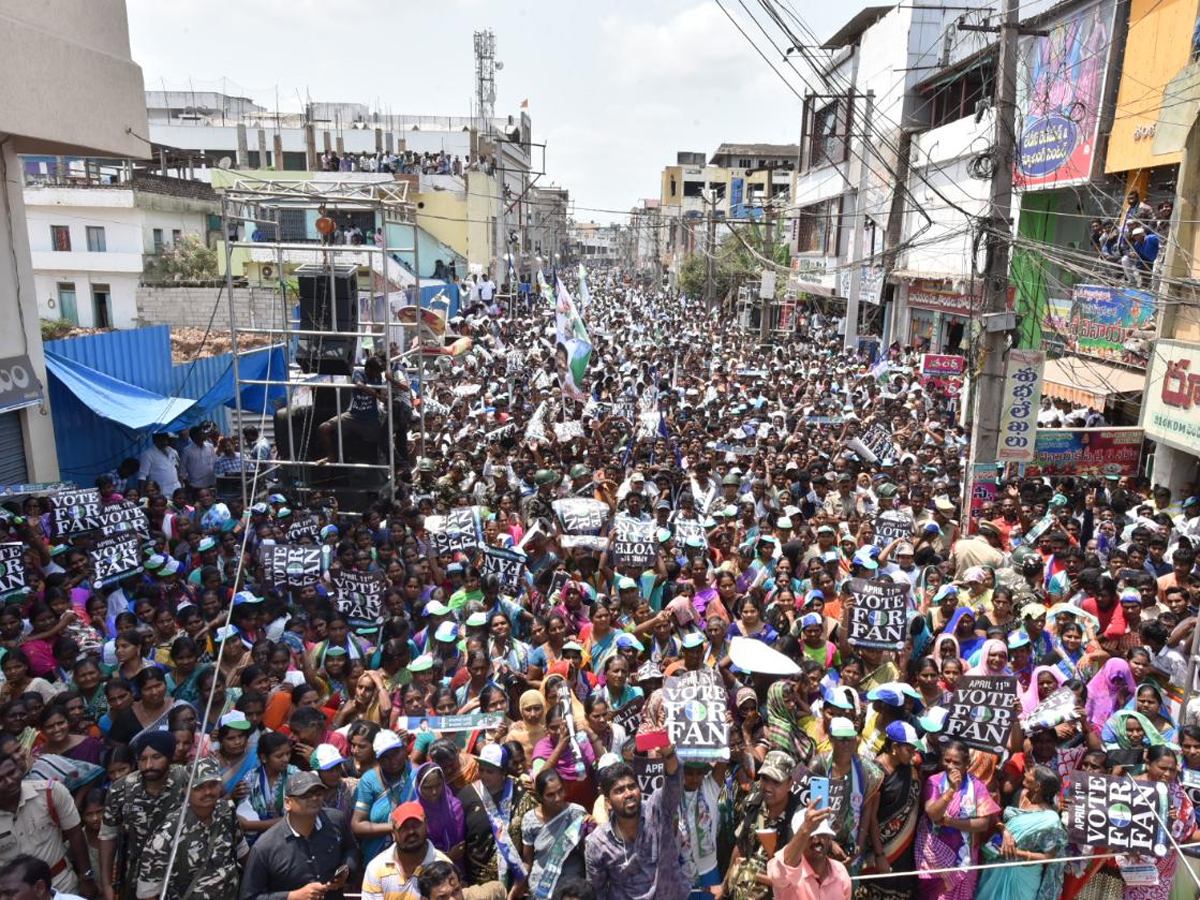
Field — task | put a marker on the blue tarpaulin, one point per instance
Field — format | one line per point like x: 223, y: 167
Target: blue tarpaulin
x: 137, y: 409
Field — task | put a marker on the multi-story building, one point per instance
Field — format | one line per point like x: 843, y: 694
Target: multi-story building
x: 89, y: 102
x: 596, y: 245
x: 95, y: 228
x: 545, y: 213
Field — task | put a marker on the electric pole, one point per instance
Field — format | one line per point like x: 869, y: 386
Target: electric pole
x: 764, y: 327
x: 989, y: 386
x: 860, y: 228
x: 711, y: 248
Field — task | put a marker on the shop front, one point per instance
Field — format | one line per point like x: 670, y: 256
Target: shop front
x: 938, y: 316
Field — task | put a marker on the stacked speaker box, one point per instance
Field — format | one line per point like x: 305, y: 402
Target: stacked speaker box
x: 328, y: 303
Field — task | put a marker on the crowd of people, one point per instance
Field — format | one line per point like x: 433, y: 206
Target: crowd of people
x: 406, y: 162
x: 1134, y: 239
x: 215, y: 725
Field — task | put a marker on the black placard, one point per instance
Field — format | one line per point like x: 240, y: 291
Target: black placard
x: 629, y: 716
x: 507, y: 565
x: 1117, y: 813
x: 651, y: 773
x: 303, y: 527
x: 879, y: 615
x: 359, y: 596
x: 115, y: 556
x: 892, y: 525
x: 12, y: 567
x: 636, y: 543
x: 76, y: 511
x: 581, y: 515
x: 291, y: 565
x: 878, y: 441
x: 695, y: 717
x: 982, y: 712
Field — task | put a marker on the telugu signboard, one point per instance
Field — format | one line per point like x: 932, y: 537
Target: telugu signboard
x: 1060, y: 91
x: 1087, y: 451
x: 982, y: 712
x: 1022, y: 395
x: 1171, y: 404
x: 1117, y: 813
x: 940, y: 365
x: 879, y: 614
x: 1111, y: 323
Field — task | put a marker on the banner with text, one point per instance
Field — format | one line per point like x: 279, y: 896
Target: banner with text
x: 12, y: 567
x: 1022, y: 396
x: 114, y: 556
x: 359, y: 596
x: 291, y: 565
x: 1117, y: 813
x: 879, y: 614
x: 983, y: 712
x: 695, y: 718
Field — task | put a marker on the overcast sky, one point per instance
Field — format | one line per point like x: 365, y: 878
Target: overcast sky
x: 615, y: 88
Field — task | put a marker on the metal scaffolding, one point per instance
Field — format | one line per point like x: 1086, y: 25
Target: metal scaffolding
x: 263, y: 205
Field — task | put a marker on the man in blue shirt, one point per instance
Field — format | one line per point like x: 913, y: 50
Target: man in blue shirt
x: 1143, y: 250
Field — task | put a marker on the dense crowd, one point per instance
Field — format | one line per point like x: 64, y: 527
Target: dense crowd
x: 406, y: 162
x: 215, y: 725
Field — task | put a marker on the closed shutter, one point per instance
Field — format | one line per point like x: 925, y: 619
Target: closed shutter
x: 12, y: 450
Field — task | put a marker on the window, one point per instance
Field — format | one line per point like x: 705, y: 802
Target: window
x: 157, y: 234
x: 827, y: 131
x: 176, y: 235
x: 817, y: 228
x: 956, y: 99
x: 67, y: 308
x: 60, y: 238
x: 745, y: 163
x: 95, y: 238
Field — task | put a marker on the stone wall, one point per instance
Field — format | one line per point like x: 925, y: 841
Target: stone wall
x: 192, y: 307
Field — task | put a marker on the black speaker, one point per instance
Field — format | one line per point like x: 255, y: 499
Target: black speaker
x: 328, y: 303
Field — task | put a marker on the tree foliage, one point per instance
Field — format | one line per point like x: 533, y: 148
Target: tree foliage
x: 188, y: 260
x: 735, y: 263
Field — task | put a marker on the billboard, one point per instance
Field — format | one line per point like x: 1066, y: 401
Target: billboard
x: 1112, y: 323
x: 1171, y: 404
x: 1060, y: 89
x: 1087, y: 451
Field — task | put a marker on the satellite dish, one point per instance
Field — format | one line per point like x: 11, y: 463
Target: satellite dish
x: 499, y: 65
x: 225, y: 163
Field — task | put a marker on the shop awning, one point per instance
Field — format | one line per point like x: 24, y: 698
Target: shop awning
x: 1089, y: 382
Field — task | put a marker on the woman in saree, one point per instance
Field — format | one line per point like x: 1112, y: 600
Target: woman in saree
x: 897, y: 814
x: 532, y: 726
x: 599, y: 638
x: 1162, y: 767
x: 443, y: 813
x: 1152, y: 703
x: 233, y: 755
x: 572, y: 756
x: 1031, y: 830
x: 787, y: 728
x: 958, y: 810
x: 1131, y: 734
x: 391, y: 782
x: 962, y: 626
x: 1045, y: 681
x: 551, y: 836
x: 263, y: 806
x: 149, y: 713
x: 993, y: 659
x: 1109, y: 690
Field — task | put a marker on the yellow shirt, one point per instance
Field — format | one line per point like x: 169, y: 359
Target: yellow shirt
x: 385, y: 880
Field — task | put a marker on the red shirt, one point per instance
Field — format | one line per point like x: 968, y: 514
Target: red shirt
x: 1089, y: 604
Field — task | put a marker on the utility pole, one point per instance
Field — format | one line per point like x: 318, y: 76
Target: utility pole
x: 765, y: 300
x: 711, y: 248
x: 860, y: 228
x: 989, y: 382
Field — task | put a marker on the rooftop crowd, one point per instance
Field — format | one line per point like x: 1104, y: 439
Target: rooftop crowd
x: 212, y: 726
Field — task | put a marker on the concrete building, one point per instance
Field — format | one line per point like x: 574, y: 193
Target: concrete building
x: 545, y: 214
x: 89, y: 101
x: 646, y: 229
x: 93, y: 236
x: 595, y: 245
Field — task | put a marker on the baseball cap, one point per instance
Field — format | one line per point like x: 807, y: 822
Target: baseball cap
x: 325, y: 757
x: 934, y: 719
x: 493, y: 755
x: 447, y: 632
x: 893, y: 693
x: 903, y: 733
x: 207, y: 770
x: 410, y: 810
x: 864, y: 559
x: 904, y: 550
x: 624, y: 583
x: 841, y: 727
x: 234, y: 719
x: 304, y: 783
x: 840, y: 698
x: 436, y: 608
x: 477, y: 619
x: 386, y: 740
x: 693, y: 639
x: 206, y: 543
x: 777, y: 766
x: 422, y: 663
x: 628, y: 640
x: 823, y: 827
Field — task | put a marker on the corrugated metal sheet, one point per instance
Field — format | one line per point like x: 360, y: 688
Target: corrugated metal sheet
x: 141, y: 356
x: 88, y: 445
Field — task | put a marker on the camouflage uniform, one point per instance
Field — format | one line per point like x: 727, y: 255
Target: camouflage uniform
x: 206, y: 864
x: 132, y: 815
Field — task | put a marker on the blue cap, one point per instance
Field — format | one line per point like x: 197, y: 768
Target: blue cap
x: 903, y: 733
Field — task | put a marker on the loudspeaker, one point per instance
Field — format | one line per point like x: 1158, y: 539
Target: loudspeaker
x: 329, y: 303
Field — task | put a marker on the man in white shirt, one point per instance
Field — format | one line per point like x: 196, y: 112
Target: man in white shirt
x: 198, y: 461
x: 486, y: 289
x: 160, y: 463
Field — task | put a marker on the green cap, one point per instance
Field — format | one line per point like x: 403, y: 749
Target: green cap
x: 545, y: 476
x: 579, y: 470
